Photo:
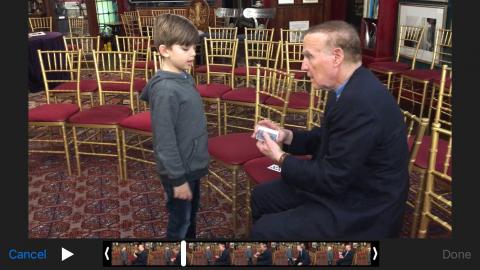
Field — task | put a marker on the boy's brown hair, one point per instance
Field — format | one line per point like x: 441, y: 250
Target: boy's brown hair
x: 173, y: 29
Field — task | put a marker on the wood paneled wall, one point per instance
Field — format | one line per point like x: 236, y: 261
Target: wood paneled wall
x: 315, y: 13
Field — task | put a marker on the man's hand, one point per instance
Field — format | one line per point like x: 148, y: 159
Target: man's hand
x: 269, y: 148
x: 284, y: 136
x: 182, y: 192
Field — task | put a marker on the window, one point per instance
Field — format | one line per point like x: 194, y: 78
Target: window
x: 107, y: 12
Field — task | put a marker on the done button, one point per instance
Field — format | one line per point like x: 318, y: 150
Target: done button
x: 14, y: 254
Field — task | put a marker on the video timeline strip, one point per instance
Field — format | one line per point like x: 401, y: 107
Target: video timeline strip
x: 207, y: 253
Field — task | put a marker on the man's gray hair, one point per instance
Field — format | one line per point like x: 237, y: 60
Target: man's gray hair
x: 341, y: 35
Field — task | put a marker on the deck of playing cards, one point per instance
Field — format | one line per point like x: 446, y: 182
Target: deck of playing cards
x: 271, y: 132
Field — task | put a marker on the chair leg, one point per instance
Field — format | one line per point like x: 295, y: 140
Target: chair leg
x: 65, y: 145
x: 249, y: 209
x: 225, y: 111
x: 424, y: 97
x: 124, y: 156
x: 234, y: 200
x: 219, y: 117
x: 77, y: 155
x: 119, y: 155
x: 400, y: 90
x: 389, y: 81
x: 418, y: 204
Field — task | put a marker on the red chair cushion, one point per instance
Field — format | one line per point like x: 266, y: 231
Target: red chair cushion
x: 234, y: 149
x: 140, y: 121
x: 52, y: 112
x: 421, y: 74
x: 244, y: 94
x: 141, y: 65
x: 213, y: 68
x: 138, y: 86
x: 85, y: 86
x: 242, y: 71
x: 389, y: 66
x: 423, y: 154
x: 213, y: 90
x: 298, y: 100
x: 102, y: 115
x: 437, y: 79
x: 257, y: 169
x: 299, y: 75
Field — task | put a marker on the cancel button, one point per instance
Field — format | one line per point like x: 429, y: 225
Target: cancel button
x: 14, y: 254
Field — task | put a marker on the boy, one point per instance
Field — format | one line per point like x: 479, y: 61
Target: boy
x: 178, y: 123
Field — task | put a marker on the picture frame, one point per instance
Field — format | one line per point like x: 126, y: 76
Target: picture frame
x: 309, y: 1
x: 286, y: 2
x: 430, y: 16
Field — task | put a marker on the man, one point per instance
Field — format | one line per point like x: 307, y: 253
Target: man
x: 346, y: 258
x: 330, y: 255
x: 208, y: 255
x: 177, y: 257
x: 355, y: 186
x: 141, y: 257
x: 303, y: 256
x: 264, y: 257
x: 249, y: 255
x: 167, y: 256
x: 124, y: 255
x: 289, y: 254
x: 224, y: 258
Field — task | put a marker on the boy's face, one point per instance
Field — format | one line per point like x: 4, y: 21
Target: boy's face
x: 178, y: 57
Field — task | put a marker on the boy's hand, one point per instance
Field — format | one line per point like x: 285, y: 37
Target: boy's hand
x: 182, y: 192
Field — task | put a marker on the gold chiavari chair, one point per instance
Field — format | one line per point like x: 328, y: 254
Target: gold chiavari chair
x: 264, y: 53
x: 46, y: 119
x: 216, y: 33
x: 299, y: 98
x: 407, y: 46
x: 180, y: 11
x: 88, y: 87
x: 99, y: 127
x: 128, y: 26
x: 76, y: 27
x: 291, y: 36
x: 145, y: 23
x: 132, y: 20
x: 144, y: 62
x: 316, y: 107
x: 87, y: 45
x: 416, y: 128
x: 220, y: 56
x: 231, y: 151
x: 263, y: 34
x: 40, y: 24
x: 437, y: 206
x: 414, y: 84
x: 222, y: 32
x: 158, y: 12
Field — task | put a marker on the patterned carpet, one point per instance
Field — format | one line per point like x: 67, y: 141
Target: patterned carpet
x: 97, y: 205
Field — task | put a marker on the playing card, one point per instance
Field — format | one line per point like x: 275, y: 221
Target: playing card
x: 271, y: 132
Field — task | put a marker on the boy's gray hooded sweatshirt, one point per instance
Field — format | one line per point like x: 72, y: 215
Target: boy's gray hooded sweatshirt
x: 180, y: 138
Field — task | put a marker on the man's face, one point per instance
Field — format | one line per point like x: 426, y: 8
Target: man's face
x: 141, y: 247
x: 319, y: 61
x: 348, y: 247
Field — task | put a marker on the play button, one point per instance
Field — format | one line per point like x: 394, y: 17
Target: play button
x: 66, y: 254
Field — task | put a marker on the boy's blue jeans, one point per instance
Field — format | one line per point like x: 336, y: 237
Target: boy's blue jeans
x: 182, y: 213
